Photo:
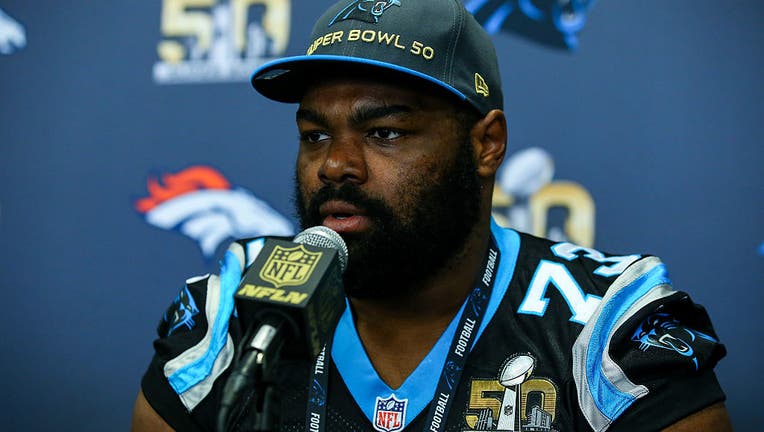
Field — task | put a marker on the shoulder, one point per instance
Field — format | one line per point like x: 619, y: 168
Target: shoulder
x: 563, y: 278
x: 196, y: 339
x: 646, y: 348
x: 630, y: 341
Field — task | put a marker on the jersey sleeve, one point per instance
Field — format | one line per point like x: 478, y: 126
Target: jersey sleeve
x: 645, y: 359
x: 195, y: 347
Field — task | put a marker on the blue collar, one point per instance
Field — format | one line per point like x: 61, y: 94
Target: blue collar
x: 362, y: 380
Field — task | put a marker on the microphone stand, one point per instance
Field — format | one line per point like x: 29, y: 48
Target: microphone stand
x: 253, y: 371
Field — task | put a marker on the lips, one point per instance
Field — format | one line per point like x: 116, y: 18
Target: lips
x: 343, y: 217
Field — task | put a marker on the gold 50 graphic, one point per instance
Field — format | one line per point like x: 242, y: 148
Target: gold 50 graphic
x: 487, y: 412
x: 568, y: 196
x: 219, y: 40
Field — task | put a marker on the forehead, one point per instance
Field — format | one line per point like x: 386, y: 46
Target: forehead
x: 378, y: 89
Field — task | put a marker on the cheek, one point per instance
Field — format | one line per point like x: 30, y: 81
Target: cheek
x: 306, y: 169
x: 306, y: 179
x: 400, y: 183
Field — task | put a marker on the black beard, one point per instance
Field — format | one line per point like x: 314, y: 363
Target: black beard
x: 404, y: 246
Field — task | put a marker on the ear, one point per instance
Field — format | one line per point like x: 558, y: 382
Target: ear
x: 489, y: 138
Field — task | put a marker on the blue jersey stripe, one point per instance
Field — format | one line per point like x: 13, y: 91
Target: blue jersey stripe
x: 196, y: 371
x: 610, y: 401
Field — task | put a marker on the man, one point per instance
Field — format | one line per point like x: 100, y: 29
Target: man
x: 454, y: 323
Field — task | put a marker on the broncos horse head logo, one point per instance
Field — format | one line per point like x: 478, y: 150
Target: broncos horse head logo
x: 364, y: 10
x: 12, y: 34
x: 200, y: 203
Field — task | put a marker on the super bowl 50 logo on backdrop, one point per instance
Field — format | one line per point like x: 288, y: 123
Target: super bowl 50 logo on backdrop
x: 527, y: 199
x: 219, y: 40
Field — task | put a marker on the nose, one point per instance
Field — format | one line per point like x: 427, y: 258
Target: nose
x: 344, y: 161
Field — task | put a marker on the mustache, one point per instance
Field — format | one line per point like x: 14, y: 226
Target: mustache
x: 373, y: 207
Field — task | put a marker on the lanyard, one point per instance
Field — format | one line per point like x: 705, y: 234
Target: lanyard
x: 461, y: 344
x: 315, y: 417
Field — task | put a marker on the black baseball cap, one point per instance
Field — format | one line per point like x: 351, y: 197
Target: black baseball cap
x: 434, y: 40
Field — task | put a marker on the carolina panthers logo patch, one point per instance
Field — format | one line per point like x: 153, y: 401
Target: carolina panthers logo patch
x: 663, y: 331
x: 364, y: 10
x: 181, y: 313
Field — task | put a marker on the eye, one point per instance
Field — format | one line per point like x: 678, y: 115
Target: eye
x: 313, y: 136
x: 384, y: 134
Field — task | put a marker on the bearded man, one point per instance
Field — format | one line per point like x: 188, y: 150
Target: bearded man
x: 453, y: 323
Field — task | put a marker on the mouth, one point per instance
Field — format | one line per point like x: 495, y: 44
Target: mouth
x: 343, y: 217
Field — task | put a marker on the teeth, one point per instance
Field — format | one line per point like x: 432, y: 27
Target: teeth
x: 341, y: 216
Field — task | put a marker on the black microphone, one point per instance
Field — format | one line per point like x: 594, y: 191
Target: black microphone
x: 292, y: 293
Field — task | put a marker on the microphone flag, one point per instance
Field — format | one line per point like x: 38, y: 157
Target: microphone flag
x: 300, y: 282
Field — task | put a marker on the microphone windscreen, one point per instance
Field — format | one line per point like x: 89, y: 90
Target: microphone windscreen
x: 321, y: 236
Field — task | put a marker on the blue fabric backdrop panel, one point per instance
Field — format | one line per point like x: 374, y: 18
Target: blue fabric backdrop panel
x: 132, y: 148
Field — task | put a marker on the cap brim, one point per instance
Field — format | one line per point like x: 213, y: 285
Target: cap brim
x: 286, y: 79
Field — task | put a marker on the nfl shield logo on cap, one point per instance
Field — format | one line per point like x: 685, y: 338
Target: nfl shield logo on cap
x: 390, y: 414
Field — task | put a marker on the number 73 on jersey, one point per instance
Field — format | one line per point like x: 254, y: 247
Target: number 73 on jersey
x: 555, y: 274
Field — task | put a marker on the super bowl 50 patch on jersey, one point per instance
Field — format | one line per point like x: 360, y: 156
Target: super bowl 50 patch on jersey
x: 515, y: 401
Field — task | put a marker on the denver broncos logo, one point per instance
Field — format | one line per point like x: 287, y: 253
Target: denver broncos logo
x: 200, y: 203
x: 364, y: 10
x: 12, y: 34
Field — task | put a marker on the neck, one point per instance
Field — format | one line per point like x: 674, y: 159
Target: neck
x: 414, y: 321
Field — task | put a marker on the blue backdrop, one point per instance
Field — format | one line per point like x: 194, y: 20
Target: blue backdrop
x: 132, y: 146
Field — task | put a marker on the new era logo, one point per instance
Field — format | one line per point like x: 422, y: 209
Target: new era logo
x: 481, y: 87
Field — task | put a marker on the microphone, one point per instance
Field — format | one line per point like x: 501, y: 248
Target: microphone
x: 291, y: 292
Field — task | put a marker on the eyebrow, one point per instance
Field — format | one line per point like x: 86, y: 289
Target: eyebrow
x: 311, y: 116
x: 365, y: 114
x: 359, y: 116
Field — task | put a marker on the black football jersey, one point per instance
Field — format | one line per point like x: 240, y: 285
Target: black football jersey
x: 572, y: 339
